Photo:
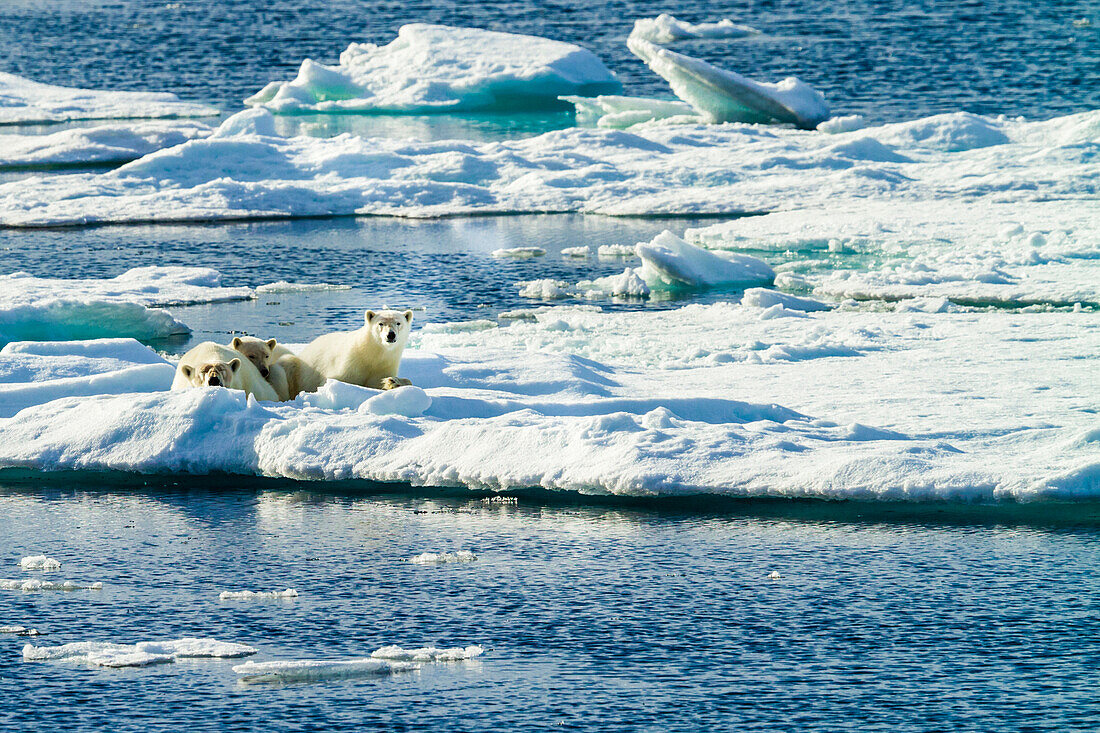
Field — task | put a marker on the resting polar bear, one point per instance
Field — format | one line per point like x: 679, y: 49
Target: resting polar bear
x: 368, y: 357
x: 213, y: 365
x: 275, y: 362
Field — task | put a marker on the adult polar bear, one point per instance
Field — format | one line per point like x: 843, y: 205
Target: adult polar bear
x: 368, y: 357
x: 213, y: 365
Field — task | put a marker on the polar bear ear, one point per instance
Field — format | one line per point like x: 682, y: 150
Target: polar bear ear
x: 236, y: 343
x: 272, y: 343
x: 369, y: 315
x: 187, y: 370
x: 235, y: 365
x: 408, y: 316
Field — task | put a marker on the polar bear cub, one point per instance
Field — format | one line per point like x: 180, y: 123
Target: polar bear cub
x: 213, y: 365
x: 368, y: 356
x: 264, y: 355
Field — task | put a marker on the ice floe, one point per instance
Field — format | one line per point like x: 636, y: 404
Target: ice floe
x: 145, y: 653
x: 439, y: 558
x: 20, y: 631
x: 436, y: 68
x: 618, y: 112
x: 39, y: 562
x: 689, y: 169
x: 665, y: 29
x: 37, y: 584
x: 282, y: 286
x: 100, y: 145
x: 670, y: 261
x: 23, y: 101
x: 519, y: 253
x: 427, y: 654
x: 316, y: 670
x: 249, y: 595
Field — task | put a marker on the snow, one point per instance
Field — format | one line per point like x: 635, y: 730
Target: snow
x: 45, y: 308
x: 316, y: 670
x: 436, y: 68
x: 23, y: 101
x: 427, y: 654
x: 724, y: 96
x: 682, y: 169
x: 439, y: 558
x: 106, y: 654
x: 665, y: 29
x: 39, y: 562
x: 36, y: 584
x: 248, y: 595
x: 100, y: 145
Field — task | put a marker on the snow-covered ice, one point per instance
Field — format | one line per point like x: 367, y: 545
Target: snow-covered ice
x: 725, y: 96
x: 665, y: 29
x: 282, y: 286
x: 107, y: 654
x: 249, y: 595
x: 316, y: 670
x: 39, y: 562
x: 20, y: 631
x: 519, y: 253
x: 436, y: 68
x: 23, y: 101
x: 617, y: 112
x: 37, y: 584
x: 428, y: 654
x: 685, y: 169
x: 99, y: 145
x: 439, y: 558
x: 671, y: 262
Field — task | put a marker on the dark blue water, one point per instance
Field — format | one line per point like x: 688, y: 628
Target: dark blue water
x: 596, y: 618
x: 886, y: 60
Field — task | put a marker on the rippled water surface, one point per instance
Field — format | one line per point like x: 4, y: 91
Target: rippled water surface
x: 612, y: 617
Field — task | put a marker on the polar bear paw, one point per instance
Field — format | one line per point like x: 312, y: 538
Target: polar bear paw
x: 395, y: 382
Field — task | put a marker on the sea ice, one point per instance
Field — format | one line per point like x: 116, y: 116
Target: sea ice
x: 436, y: 68
x: 519, y: 253
x: 23, y: 101
x: 100, y: 145
x: 618, y: 112
x: 612, y: 251
x: 665, y: 29
x: 37, y: 584
x: 283, y: 286
x: 106, y: 654
x: 579, y: 252
x: 39, y: 562
x: 438, y: 558
x: 427, y: 654
x: 724, y: 96
x: 249, y: 595
x: 315, y: 670
x: 19, y: 631
x: 670, y: 262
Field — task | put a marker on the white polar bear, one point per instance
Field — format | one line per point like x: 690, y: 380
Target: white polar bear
x: 213, y: 365
x: 275, y: 362
x: 368, y: 357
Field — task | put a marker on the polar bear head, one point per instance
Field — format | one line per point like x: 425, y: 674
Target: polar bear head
x: 389, y: 328
x: 257, y: 351
x: 211, y: 373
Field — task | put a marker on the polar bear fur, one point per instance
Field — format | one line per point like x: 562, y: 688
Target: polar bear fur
x: 213, y: 365
x: 368, y: 357
x: 263, y: 356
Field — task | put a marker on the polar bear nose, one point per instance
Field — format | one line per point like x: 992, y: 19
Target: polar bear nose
x: 214, y: 381
x: 263, y: 372
x: 391, y: 336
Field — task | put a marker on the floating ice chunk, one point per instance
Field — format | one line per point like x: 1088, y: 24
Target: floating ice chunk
x: 39, y: 562
x: 248, y: 595
x: 668, y: 261
x: 723, y: 96
x: 36, y: 584
x: 105, y: 144
x: 436, y: 68
x: 19, y: 631
x: 579, y: 252
x: 107, y: 654
x: 774, y: 575
x: 408, y: 401
x: 628, y: 284
x: 315, y: 670
x: 764, y: 298
x: 618, y: 112
x: 438, y: 558
x: 427, y: 654
x: 282, y: 286
x: 612, y: 251
x: 23, y: 101
x: 519, y: 253
x: 847, y: 123
x: 545, y: 289
x: 665, y: 29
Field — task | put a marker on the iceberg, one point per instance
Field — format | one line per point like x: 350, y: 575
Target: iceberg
x: 665, y: 29
x: 23, y: 101
x: 437, y: 68
x: 724, y: 96
x: 100, y: 145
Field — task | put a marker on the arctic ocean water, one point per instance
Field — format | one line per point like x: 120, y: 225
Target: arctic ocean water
x: 595, y: 616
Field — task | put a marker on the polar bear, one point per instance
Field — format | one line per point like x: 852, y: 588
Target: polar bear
x: 213, y: 365
x: 368, y: 357
x: 265, y: 356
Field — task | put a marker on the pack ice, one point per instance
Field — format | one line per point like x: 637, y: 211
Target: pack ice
x: 99, y: 145
x: 435, y: 68
x: 23, y: 101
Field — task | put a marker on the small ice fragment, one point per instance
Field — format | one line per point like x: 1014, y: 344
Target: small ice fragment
x: 545, y: 289
x: 428, y: 654
x: 282, y: 286
x: 436, y: 558
x: 108, y: 654
x: 19, y: 631
x: 34, y: 584
x: 39, y: 562
x: 313, y: 670
x: 575, y: 252
x: 665, y: 29
x: 612, y: 251
x: 519, y: 253
x: 774, y: 575
x: 248, y: 595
